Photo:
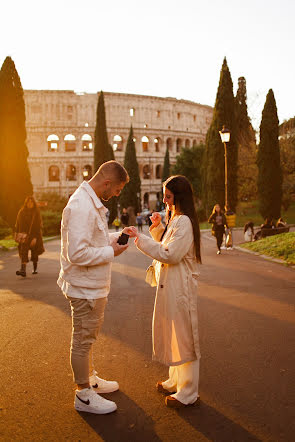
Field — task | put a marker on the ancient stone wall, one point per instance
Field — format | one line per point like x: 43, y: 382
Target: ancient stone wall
x: 60, y: 135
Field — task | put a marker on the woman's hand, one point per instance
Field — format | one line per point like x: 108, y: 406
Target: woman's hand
x: 131, y: 231
x: 155, y: 219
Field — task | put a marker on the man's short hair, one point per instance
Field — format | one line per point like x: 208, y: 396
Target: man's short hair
x: 113, y: 169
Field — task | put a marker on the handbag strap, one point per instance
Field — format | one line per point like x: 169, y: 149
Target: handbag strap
x: 29, y: 232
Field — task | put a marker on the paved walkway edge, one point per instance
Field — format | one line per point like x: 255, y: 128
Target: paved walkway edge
x: 268, y: 258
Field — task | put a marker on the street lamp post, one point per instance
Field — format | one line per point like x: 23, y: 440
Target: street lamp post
x: 225, y: 137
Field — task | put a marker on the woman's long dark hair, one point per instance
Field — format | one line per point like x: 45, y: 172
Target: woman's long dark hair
x: 30, y: 198
x: 184, y: 202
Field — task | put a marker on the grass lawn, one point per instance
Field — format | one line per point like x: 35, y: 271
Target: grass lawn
x: 247, y: 211
x: 278, y: 246
x: 8, y: 242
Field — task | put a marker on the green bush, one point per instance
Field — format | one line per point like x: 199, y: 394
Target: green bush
x: 55, y: 202
x: 5, y: 230
x: 51, y: 222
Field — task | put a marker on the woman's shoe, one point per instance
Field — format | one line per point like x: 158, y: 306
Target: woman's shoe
x: 34, y: 272
x: 161, y: 389
x: 21, y: 273
x: 171, y: 402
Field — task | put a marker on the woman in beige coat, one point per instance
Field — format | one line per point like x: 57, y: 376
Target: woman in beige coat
x: 176, y: 252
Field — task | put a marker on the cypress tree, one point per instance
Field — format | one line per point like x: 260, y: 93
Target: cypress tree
x: 247, y: 167
x: 15, y: 178
x: 223, y: 114
x: 166, y: 166
x: 189, y: 164
x: 268, y: 160
x: 129, y: 194
x: 103, y: 151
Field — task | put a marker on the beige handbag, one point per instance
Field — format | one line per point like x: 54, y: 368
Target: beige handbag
x: 150, y: 277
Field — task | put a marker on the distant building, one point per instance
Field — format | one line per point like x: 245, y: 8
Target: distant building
x: 60, y: 135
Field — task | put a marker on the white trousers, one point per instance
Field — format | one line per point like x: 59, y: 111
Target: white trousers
x: 184, y: 379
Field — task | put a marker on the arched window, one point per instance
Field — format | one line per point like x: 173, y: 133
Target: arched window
x: 146, y: 200
x: 146, y: 171
x: 71, y: 173
x: 178, y: 144
x: 157, y: 142
x: 117, y: 142
x: 87, y: 172
x: 194, y: 142
x: 52, y: 141
x: 53, y: 173
x: 70, y: 143
x: 158, y: 171
x: 86, y: 142
x: 187, y: 143
x: 145, y: 144
x: 169, y: 144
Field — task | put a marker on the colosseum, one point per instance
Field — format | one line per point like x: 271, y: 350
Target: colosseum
x: 60, y: 135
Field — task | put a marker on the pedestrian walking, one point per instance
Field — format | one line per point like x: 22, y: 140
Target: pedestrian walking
x: 218, y: 221
x: 231, y: 223
x: 249, y: 231
x: 176, y: 252
x: 139, y: 222
x: 116, y: 223
x: 28, y: 235
x: 87, y: 251
x: 125, y: 218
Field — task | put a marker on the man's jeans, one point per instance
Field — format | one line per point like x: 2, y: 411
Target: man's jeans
x: 87, y: 319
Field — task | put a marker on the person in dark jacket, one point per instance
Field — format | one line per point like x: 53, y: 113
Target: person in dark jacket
x: 29, y: 222
x: 125, y: 218
x: 218, y: 221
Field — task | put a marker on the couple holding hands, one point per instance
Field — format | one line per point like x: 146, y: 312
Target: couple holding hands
x: 87, y: 250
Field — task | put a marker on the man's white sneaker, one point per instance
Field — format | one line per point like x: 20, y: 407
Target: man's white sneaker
x: 101, y: 386
x: 89, y: 401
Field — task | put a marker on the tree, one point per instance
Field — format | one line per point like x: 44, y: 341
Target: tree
x: 166, y: 166
x: 130, y: 195
x: 15, y: 178
x: 223, y: 114
x: 247, y: 167
x: 287, y: 155
x: 103, y: 151
x: 268, y: 161
x: 189, y: 164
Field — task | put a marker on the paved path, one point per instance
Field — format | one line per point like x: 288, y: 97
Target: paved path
x: 247, y: 325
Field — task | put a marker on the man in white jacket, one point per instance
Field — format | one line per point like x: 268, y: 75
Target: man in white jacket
x: 87, y: 251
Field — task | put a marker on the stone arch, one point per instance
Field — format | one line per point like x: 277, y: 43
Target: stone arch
x: 158, y: 171
x: 53, y: 143
x: 117, y: 143
x: 194, y: 142
x: 145, y: 143
x: 87, y: 172
x: 187, y: 143
x: 70, y: 143
x: 178, y: 144
x: 86, y: 142
x: 169, y: 144
x: 157, y: 143
x: 53, y: 173
x: 71, y: 172
x: 146, y: 172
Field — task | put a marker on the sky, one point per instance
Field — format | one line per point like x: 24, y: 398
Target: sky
x: 164, y: 48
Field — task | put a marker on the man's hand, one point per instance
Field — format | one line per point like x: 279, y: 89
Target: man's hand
x: 118, y: 249
x: 131, y: 231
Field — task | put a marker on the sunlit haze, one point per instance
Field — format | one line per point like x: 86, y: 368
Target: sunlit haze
x: 160, y: 47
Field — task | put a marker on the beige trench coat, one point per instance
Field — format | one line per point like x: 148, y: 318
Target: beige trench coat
x: 175, y: 319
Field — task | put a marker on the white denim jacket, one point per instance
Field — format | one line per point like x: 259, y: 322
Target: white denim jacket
x: 86, y: 253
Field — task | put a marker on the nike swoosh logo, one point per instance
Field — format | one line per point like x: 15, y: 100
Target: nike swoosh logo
x: 95, y: 386
x: 84, y: 402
